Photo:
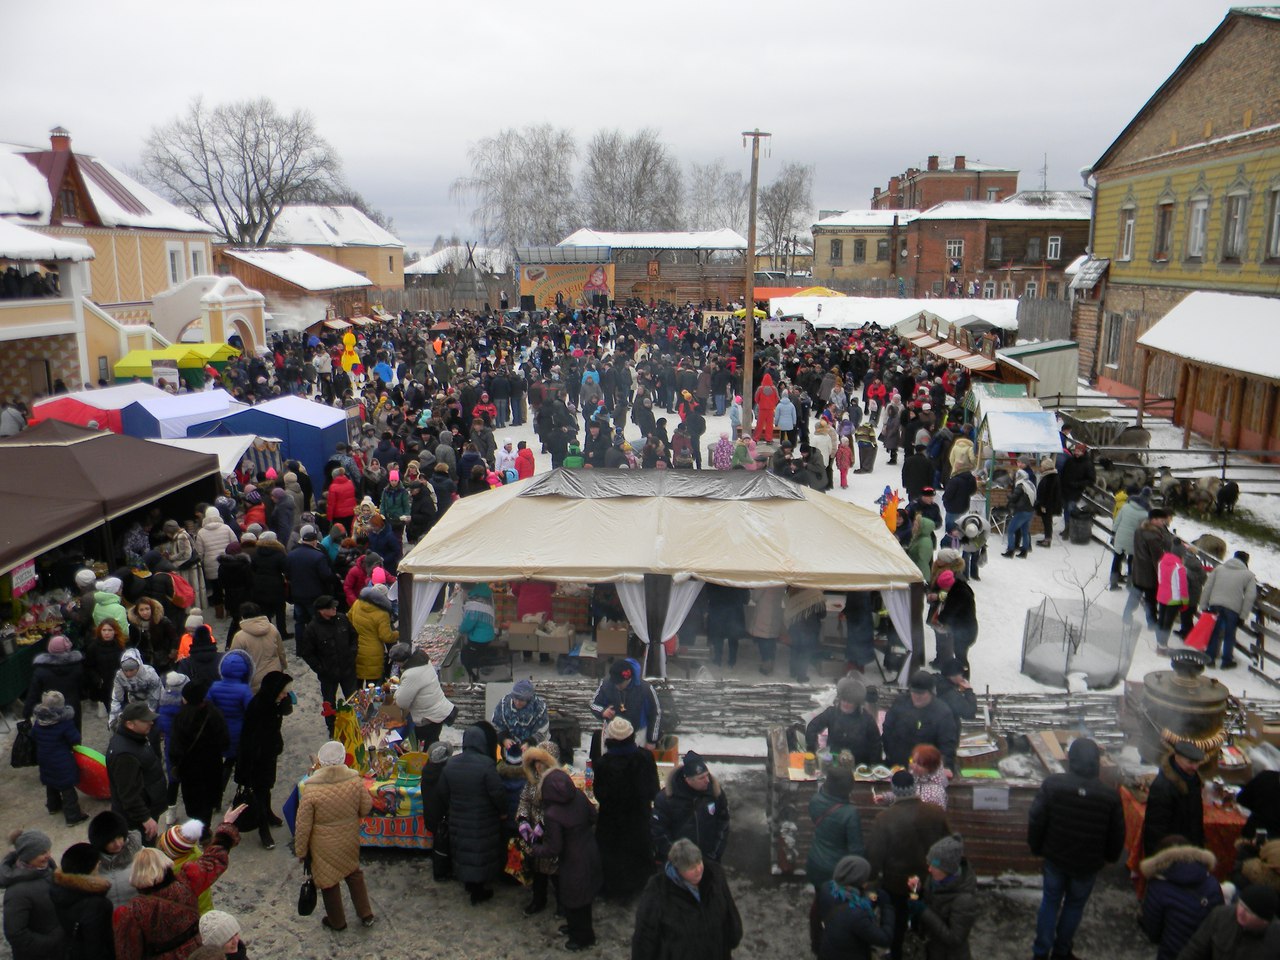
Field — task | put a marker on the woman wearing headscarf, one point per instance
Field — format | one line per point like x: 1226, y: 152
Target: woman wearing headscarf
x: 331, y: 803
x: 849, y: 918
x: 626, y: 781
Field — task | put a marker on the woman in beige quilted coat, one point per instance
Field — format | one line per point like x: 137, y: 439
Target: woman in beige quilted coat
x: 330, y: 806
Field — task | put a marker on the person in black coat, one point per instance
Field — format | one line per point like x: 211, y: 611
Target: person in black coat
x: 1077, y: 825
x: 80, y: 900
x: 203, y: 660
x: 692, y: 805
x: 1048, y: 502
x: 847, y: 921
x: 1261, y: 797
x: 626, y: 780
x: 261, y: 744
x: 270, y: 565
x: 958, y: 613
x: 1075, y: 477
x: 1174, y: 803
x: 62, y: 669
x: 567, y: 816
x: 328, y: 647
x: 235, y: 575
x: 139, y: 789
x: 917, y: 473
x: 472, y: 793
x: 1181, y: 892
x: 919, y: 717
x: 102, y: 658
x: 310, y: 576
x: 199, y: 732
x: 848, y: 724
x: 422, y: 511
x: 675, y: 923
x: 954, y: 690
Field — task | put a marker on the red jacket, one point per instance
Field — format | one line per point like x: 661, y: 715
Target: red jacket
x: 533, y: 596
x: 524, y: 464
x: 256, y: 514
x: 355, y: 581
x: 342, y: 497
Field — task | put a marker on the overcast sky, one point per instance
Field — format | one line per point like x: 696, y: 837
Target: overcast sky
x: 860, y: 90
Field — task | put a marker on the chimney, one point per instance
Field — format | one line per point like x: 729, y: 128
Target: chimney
x: 959, y: 164
x: 893, y: 184
x: 60, y: 140
x: 875, y: 192
x: 933, y: 162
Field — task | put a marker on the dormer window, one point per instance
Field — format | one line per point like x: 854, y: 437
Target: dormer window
x: 67, y: 207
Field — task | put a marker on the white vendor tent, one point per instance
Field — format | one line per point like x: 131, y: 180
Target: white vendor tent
x: 741, y: 529
x: 1021, y: 431
x: 171, y: 415
x: 852, y: 313
x: 229, y: 450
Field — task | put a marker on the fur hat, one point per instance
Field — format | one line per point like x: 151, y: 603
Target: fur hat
x: 851, y: 690
x: 947, y: 853
x: 105, y: 827
x: 79, y: 858
x: 217, y: 927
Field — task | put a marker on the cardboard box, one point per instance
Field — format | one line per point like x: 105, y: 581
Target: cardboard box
x: 1260, y: 731
x: 612, y: 641
x: 559, y: 642
x: 521, y: 636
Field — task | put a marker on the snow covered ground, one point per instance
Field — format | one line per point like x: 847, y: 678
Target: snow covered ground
x: 1009, y: 588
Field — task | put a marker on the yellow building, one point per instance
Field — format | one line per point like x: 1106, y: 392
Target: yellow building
x: 345, y: 236
x: 861, y: 248
x: 133, y: 246
x: 1187, y: 199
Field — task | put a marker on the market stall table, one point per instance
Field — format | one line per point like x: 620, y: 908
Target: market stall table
x: 1221, y: 831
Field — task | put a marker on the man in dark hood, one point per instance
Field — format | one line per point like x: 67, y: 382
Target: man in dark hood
x: 1077, y: 824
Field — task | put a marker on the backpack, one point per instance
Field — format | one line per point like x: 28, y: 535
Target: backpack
x: 183, y: 594
x: 509, y: 476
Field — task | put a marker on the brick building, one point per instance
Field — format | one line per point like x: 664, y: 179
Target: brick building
x: 1016, y: 248
x: 1188, y: 198
x: 943, y: 179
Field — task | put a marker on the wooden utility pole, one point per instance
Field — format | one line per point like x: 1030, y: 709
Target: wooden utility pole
x: 749, y: 318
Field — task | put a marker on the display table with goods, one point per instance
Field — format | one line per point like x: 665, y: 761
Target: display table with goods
x: 33, y: 617
x: 1222, y: 826
x: 380, y: 746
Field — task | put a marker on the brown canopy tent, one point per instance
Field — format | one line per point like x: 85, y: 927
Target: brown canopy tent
x: 60, y: 481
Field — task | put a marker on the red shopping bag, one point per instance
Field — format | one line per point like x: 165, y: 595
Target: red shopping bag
x: 1198, y: 638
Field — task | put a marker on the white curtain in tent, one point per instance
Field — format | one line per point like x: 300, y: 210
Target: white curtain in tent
x: 898, y: 603
x: 684, y: 591
x: 424, y: 598
x: 631, y: 593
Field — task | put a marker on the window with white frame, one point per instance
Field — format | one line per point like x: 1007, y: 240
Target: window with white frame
x: 1031, y: 290
x: 993, y: 194
x: 989, y: 290
x: 1197, y: 227
x: 176, y: 256
x: 1055, y: 249
x: 955, y: 249
x: 1273, y: 226
x: 1128, y: 221
x: 1233, y: 228
x: 197, y: 260
x: 1006, y: 290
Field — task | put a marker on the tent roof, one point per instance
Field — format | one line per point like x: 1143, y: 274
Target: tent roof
x: 851, y: 313
x: 723, y: 239
x: 737, y: 529
x: 137, y: 363
x: 1023, y: 431
x: 107, y: 398
x: 42, y: 523
x: 228, y: 450
x: 77, y: 463
x: 1235, y: 321
x: 302, y: 411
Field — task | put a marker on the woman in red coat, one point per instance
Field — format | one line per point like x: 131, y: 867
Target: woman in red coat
x: 766, y: 400
x: 163, y: 921
x: 342, y: 499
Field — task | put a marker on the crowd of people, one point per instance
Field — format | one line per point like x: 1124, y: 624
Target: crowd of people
x: 595, y: 387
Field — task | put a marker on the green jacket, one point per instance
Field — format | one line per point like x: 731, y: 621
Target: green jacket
x: 838, y: 834
x: 920, y: 549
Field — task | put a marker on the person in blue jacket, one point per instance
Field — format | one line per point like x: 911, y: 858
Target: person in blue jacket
x: 1181, y: 890
x: 624, y: 693
x: 231, y: 695
x: 55, y: 734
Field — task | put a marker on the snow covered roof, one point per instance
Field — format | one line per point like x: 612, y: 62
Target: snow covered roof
x: 676, y: 240
x: 1267, y: 13
x: 849, y: 313
x: 868, y: 218
x: 26, y: 193
x: 1216, y: 329
x: 300, y: 268
x: 1025, y: 205
x: 327, y: 226
x: 491, y: 259
x: 19, y: 243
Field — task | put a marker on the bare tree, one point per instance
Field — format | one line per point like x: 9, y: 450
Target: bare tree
x: 717, y: 197
x: 522, y: 183
x: 238, y: 164
x: 783, y: 204
x: 631, y: 182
